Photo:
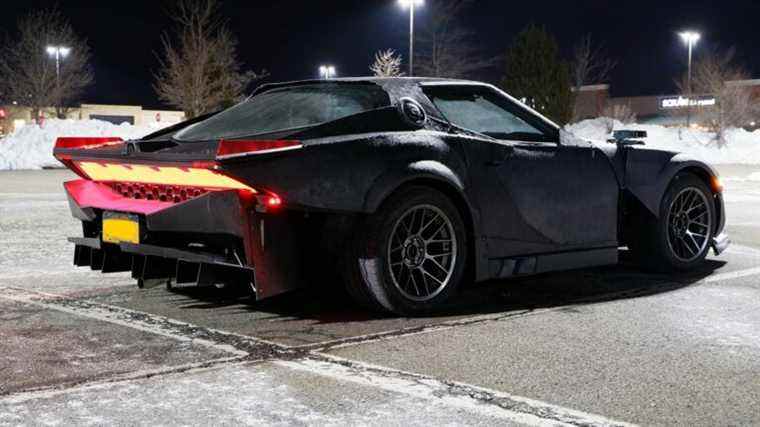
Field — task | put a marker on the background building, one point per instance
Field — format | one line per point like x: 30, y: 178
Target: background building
x: 668, y: 110
x: 13, y: 117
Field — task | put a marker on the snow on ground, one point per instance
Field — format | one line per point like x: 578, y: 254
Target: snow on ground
x: 742, y: 147
x: 31, y: 147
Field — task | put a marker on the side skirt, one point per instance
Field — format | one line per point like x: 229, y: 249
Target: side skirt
x: 537, y: 264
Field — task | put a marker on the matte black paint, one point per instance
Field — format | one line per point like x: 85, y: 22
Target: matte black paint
x: 534, y: 207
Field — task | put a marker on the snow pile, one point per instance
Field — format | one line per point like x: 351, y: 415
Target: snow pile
x: 31, y: 147
x: 742, y: 147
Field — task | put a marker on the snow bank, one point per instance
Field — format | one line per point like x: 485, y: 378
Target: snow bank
x: 742, y: 147
x: 31, y: 147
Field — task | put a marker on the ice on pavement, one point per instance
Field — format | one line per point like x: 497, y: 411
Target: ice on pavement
x: 31, y: 147
x: 742, y: 148
x: 233, y: 395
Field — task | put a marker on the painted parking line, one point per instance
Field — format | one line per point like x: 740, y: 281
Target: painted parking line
x: 482, y: 401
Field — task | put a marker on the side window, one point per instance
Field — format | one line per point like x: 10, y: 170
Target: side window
x: 482, y: 110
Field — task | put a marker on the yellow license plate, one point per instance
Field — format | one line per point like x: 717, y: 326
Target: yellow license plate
x: 121, y: 229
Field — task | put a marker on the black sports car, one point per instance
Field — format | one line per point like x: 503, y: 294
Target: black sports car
x: 409, y: 186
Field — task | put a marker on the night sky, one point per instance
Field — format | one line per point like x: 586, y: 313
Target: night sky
x: 291, y: 38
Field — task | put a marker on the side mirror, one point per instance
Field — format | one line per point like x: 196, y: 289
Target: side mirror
x: 412, y: 113
x: 628, y: 137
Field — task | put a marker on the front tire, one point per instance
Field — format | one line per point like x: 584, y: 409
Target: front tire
x: 679, y: 240
x: 409, y: 257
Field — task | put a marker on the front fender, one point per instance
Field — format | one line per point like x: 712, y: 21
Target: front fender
x: 391, y: 180
x: 650, y: 172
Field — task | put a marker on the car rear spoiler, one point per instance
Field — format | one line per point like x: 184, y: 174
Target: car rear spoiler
x: 68, y: 147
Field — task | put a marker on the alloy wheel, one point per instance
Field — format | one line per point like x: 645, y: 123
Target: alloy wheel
x: 422, y: 253
x: 689, y: 224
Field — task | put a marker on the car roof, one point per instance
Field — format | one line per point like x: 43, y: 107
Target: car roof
x: 398, y: 87
x: 385, y: 82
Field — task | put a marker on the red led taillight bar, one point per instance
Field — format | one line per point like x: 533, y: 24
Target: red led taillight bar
x: 86, y: 143
x: 229, y: 149
x: 201, y: 175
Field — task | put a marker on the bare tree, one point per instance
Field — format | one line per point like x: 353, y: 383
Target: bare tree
x: 446, y: 48
x: 387, y: 64
x: 200, y: 71
x: 716, y: 74
x: 618, y: 113
x: 590, y: 64
x: 30, y: 75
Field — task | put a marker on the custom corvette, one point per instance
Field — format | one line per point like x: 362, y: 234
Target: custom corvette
x: 409, y: 187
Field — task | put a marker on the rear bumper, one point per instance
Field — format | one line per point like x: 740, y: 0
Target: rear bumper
x: 148, y: 262
x: 219, y: 237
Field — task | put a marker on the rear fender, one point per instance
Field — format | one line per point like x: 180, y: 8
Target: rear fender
x: 390, y: 181
x: 442, y: 177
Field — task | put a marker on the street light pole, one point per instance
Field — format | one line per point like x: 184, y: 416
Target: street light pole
x: 58, y: 52
x: 690, y: 38
x: 411, y: 4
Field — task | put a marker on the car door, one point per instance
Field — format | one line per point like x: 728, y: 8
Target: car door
x: 536, y: 194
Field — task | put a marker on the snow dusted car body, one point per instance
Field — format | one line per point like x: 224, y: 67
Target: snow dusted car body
x: 409, y: 187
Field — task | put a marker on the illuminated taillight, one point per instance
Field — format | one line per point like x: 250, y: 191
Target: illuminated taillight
x: 273, y: 201
x: 81, y: 143
x: 164, y: 175
x: 267, y: 201
x: 238, y: 148
x: 85, y: 143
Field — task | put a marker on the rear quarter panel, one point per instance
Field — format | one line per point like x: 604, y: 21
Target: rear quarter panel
x: 352, y: 174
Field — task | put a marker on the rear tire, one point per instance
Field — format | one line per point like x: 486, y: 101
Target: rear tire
x: 408, y: 257
x: 680, y: 239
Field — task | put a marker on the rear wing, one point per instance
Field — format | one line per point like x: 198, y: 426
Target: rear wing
x: 68, y: 148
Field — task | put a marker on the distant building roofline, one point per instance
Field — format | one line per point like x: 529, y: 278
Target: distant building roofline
x: 592, y: 88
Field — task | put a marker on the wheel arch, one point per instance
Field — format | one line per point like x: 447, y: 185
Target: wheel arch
x: 707, y: 176
x: 651, y: 192
x: 439, y: 177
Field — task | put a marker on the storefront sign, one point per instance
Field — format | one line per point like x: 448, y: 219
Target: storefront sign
x: 681, y: 102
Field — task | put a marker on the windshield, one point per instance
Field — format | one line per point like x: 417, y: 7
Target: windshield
x: 287, y: 108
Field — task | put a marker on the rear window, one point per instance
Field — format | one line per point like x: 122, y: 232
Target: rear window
x: 287, y: 108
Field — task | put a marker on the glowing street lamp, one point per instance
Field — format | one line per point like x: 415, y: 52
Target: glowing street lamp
x: 690, y: 38
x: 411, y: 4
x: 58, y: 52
x: 327, y: 72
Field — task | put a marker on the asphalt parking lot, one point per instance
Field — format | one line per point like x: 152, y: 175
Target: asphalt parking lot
x: 605, y: 346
